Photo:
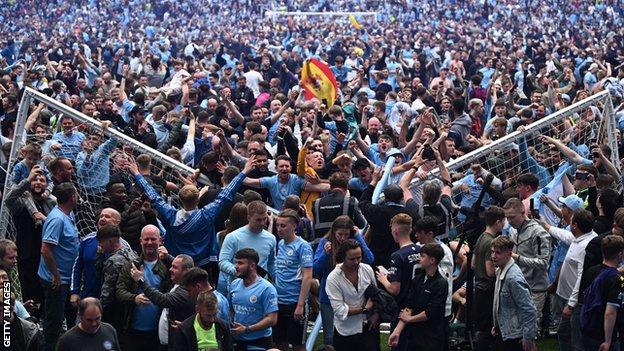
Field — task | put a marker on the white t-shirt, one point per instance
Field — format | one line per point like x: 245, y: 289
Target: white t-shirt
x: 163, y: 323
x: 253, y: 78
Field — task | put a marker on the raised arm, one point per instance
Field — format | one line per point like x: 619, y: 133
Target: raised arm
x: 608, y: 165
x: 565, y: 150
x: 319, y: 188
x: 166, y: 211
x: 292, y: 97
x: 362, y: 144
x: 33, y: 117
x: 230, y: 106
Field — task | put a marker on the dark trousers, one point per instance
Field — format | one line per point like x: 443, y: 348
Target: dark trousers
x: 258, y: 344
x: 592, y: 344
x: 507, y: 345
x: 56, y: 309
x: 483, y: 320
x: 140, y: 340
x: 367, y: 340
x: 31, y: 288
x: 213, y: 272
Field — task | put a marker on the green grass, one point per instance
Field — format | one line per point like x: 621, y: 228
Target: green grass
x: 542, y: 345
x: 548, y: 345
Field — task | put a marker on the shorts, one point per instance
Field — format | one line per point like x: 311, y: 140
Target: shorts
x: 288, y: 329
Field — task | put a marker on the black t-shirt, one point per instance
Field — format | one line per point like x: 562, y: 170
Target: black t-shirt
x: 264, y: 193
x: 214, y: 175
x: 76, y: 339
x: 209, y: 196
x: 404, y: 263
x: 611, y: 289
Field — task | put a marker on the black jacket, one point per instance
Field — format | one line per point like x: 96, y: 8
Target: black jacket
x: 243, y: 93
x: 224, y: 214
x: 180, y: 304
x: 128, y: 289
x: 185, y: 338
x: 378, y: 217
x: 428, y: 295
x: 132, y: 222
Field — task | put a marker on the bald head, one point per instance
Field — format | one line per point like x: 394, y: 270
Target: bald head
x: 150, y: 241
x: 150, y: 230
x: 87, y: 302
x: 90, y: 313
x: 109, y: 216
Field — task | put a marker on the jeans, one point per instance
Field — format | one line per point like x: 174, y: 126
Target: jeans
x: 569, y: 331
x: 56, y: 310
x: 327, y: 315
x: 556, y: 307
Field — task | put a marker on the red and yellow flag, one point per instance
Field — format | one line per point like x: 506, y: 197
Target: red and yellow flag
x: 319, y: 82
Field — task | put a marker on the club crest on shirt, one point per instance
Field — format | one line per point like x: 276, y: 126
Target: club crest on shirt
x: 253, y: 298
x: 290, y: 252
x: 108, y: 345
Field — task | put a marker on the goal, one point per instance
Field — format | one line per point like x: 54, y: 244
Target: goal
x: 90, y: 201
x: 581, y: 126
x: 362, y: 17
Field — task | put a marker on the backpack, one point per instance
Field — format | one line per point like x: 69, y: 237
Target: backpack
x: 591, y: 318
x: 442, y: 214
x: 383, y: 303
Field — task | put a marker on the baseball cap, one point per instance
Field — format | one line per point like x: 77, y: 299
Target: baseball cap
x: 572, y: 202
x: 394, y: 152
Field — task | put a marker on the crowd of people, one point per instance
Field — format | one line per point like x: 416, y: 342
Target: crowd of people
x: 110, y: 250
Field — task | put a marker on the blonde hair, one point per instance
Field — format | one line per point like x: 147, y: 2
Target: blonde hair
x: 188, y: 195
x: 401, y: 219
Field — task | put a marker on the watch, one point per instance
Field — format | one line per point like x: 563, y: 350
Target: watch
x: 364, y: 310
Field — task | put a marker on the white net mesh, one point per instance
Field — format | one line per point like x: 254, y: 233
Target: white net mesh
x: 94, y: 168
x: 582, y: 127
x: 361, y: 18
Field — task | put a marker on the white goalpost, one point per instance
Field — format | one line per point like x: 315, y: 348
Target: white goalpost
x: 273, y: 15
x: 582, y: 127
x: 90, y: 201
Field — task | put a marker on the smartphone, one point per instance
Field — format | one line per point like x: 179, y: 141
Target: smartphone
x: 534, y: 212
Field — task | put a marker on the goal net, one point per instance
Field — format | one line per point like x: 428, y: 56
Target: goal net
x: 90, y: 182
x: 360, y: 18
x: 588, y: 131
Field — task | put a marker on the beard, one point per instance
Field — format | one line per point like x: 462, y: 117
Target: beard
x: 242, y: 273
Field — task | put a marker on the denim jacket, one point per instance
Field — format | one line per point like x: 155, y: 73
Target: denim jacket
x: 514, y: 312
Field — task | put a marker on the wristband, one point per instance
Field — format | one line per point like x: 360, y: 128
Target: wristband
x: 247, y: 330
